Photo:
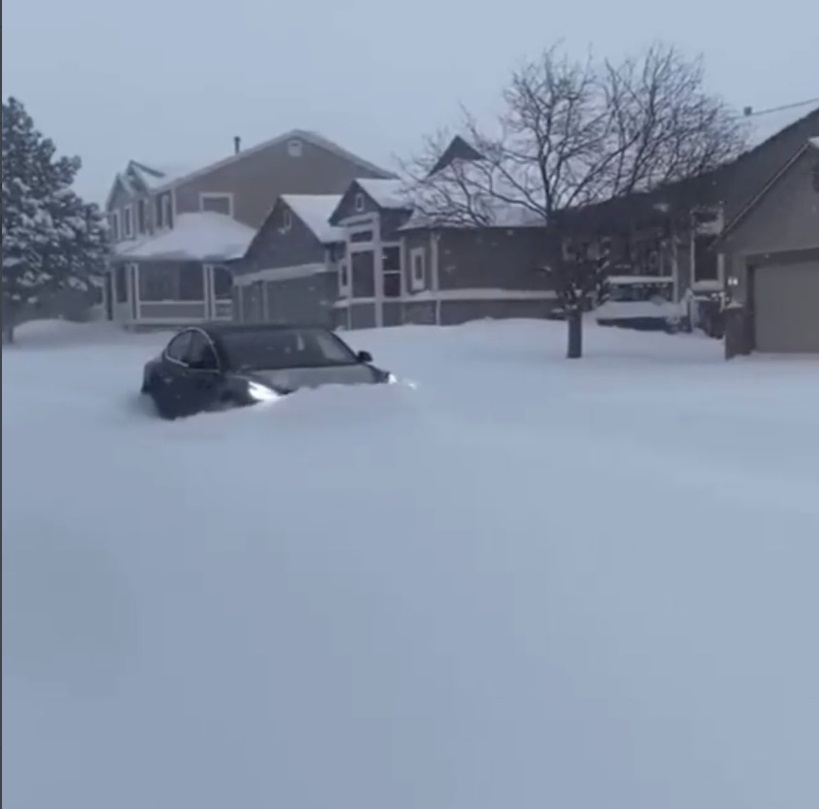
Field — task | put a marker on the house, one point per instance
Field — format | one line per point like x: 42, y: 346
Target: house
x: 673, y: 230
x: 290, y: 268
x: 371, y: 282
x: 770, y: 252
x: 177, y: 230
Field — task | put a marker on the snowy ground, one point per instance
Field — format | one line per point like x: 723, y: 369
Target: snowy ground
x: 530, y: 583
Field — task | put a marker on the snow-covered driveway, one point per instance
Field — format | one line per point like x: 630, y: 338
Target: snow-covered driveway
x: 529, y: 583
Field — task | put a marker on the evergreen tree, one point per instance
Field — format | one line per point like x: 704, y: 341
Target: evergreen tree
x: 52, y: 240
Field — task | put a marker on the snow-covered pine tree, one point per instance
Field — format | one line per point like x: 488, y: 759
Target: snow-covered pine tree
x: 52, y: 239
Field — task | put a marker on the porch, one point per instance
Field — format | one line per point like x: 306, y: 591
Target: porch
x: 168, y: 293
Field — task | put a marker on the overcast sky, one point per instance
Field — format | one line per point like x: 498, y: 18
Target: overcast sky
x: 173, y: 81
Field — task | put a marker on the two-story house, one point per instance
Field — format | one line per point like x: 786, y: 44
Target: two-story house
x: 177, y: 230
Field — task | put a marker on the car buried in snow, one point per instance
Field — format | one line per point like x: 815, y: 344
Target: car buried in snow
x: 217, y: 367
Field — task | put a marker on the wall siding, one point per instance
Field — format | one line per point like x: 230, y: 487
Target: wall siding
x: 258, y: 179
x: 302, y: 300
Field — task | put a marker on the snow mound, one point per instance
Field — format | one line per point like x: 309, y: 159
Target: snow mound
x: 528, y: 583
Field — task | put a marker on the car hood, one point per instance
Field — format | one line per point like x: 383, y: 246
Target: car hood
x: 290, y: 379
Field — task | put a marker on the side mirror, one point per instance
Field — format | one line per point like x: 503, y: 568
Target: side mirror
x: 364, y: 356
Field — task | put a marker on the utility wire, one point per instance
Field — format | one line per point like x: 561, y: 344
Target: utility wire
x: 750, y: 112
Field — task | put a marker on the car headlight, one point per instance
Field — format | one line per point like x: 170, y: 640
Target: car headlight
x: 261, y: 393
x: 392, y: 379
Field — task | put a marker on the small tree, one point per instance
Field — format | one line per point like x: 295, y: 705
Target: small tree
x: 574, y: 134
x: 52, y: 240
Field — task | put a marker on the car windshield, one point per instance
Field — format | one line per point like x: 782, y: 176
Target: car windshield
x: 271, y: 349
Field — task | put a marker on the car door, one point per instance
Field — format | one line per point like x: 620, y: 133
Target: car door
x: 170, y: 390
x: 202, y: 372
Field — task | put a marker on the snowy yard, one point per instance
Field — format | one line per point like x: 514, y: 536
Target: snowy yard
x: 529, y: 583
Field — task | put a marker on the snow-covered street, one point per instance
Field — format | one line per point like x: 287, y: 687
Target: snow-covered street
x: 528, y: 583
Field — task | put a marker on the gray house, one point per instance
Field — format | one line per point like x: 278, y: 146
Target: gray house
x: 176, y: 230
x: 290, y: 269
x: 770, y: 251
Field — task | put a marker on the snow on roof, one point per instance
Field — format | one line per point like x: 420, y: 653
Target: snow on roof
x: 814, y: 142
x: 156, y: 175
x: 315, y: 211
x: 195, y: 236
x: 388, y: 194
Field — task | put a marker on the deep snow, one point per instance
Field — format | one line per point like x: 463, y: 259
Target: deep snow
x: 528, y: 583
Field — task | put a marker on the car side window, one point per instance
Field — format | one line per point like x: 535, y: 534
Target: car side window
x: 178, y: 347
x: 200, y: 353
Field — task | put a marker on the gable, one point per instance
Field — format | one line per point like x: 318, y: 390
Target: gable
x: 119, y: 194
x: 458, y: 149
x: 785, y: 216
x: 349, y: 205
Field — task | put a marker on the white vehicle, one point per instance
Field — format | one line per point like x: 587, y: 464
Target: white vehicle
x: 644, y: 302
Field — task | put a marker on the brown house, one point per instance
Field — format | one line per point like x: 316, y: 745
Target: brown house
x: 176, y: 230
x: 770, y: 251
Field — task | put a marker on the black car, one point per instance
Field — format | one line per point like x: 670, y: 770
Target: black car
x: 214, y: 367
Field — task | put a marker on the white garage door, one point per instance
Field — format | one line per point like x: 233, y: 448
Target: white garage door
x: 787, y: 308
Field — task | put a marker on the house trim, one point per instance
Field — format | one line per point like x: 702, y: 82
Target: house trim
x: 203, y: 195
x: 473, y: 294
x: 281, y: 273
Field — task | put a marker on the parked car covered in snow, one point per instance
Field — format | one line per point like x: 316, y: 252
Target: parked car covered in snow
x: 642, y: 302
x: 221, y: 366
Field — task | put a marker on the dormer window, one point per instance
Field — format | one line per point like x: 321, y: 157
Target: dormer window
x: 359, y: 202
x: 287, y: 220
x: 294, y: 147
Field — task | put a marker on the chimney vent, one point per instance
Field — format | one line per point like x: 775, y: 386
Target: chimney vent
x: 237, y: 144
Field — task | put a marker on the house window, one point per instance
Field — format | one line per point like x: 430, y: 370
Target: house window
x: 359, y: 202
x: 216, y: 203
x: 222, y: 284
x: 343, y: 279
x: 142, y: 216
x: 391, y: 269
x: 128, y: 222
x: 294, y: 147
x: 419, y: 271
x: 362, y: 265
x: 361, y: 236
x: 113, y: 225
x: 287, y: 220
x: 164, y: 213
x: 121, y: 284
x: 816, y: 178
x: 706, y: 264
x: 158, y: 283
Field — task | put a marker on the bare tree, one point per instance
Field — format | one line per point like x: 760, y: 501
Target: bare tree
x: 573, y: 134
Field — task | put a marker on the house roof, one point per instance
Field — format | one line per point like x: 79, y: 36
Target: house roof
x: 315, y: 211
x: 293, y: 134
x: 812, y: 144
x: 206, y: 236
x: 158, y: 177
x: 388, y: 194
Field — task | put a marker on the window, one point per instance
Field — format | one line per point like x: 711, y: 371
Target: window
x: 267, y: 349
x: 816, y: 178
x: 344, y: 278
x: 362, y: 266
x: 359, y: 202
x: 222, y: 284
x: 113, y: 225
x: 361, y: 236
x: 178, y: 347
x: 142, y: 216
x: 163, y: 211
x: 294, y: 147
x: 418, y: 265
x: 706, y: 265
x: 391, y: 268
x: 191, y: 282
x: 128, y: 222
x: 121, y: 283
x: 287, y: 220
x: 200, y: 353
x: 216, y: 203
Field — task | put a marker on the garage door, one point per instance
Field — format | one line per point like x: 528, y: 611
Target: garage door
x: 787, y: 308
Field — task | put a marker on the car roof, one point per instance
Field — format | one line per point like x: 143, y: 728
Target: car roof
x: 219, y: 329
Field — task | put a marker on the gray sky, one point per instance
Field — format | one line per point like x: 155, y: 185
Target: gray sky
x: 173, y: 81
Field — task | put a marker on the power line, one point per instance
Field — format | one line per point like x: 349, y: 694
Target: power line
x: 750, y: 112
